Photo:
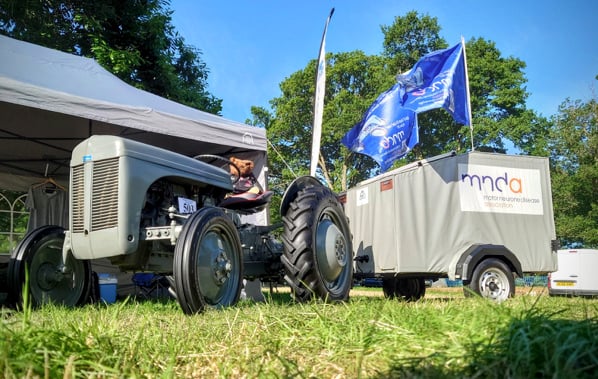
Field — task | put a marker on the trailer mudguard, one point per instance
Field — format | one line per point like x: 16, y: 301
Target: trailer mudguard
x: 463, y: 269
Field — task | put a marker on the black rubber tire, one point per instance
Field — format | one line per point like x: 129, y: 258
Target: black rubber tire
x: 316, y: 213
x: 208, y: 262
x: 40, y: 252
x: 404, y: 289
x: 492, y: 279
x: 410, y: 289
x: 389, y: 287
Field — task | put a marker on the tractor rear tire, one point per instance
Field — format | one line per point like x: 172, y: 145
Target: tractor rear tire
x: 317, y: 246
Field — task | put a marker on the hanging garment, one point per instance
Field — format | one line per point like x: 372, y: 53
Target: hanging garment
x: 47, y: 207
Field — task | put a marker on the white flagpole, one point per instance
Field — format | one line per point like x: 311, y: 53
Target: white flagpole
x: 468, y: 96
x: 319, y: 101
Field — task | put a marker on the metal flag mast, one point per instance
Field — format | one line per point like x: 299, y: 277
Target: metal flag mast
x: 467, y: 90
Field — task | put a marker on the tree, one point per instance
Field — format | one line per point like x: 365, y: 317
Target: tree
x: 409, y: 38
x: 573, y: 143
x: 134, y: 39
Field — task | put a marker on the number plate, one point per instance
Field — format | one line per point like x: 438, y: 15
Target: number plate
x: 187, y: 206
x: 559, y: 283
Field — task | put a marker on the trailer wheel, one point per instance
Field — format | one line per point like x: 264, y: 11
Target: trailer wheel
x: 411, y: 289
x: 408, y: 289
x: 389, y: 287
x: 208, y: 263
x: 317, y: 246
x: 491, y: 279
x: 40, y: 254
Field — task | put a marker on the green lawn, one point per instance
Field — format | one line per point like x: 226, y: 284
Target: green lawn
x: 442, y: 335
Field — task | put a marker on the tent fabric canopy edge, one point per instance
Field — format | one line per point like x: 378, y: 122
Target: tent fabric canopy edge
x: 37, y: 76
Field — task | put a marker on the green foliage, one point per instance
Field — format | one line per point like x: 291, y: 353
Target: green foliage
x: 449, y: 337
x: 11, y: 205
x: 133, y: 39
x: 409, y: 38
x: 573, y: 142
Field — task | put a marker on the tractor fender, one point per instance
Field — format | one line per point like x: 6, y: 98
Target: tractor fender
x: 296, y: 186
x: 464, y: 264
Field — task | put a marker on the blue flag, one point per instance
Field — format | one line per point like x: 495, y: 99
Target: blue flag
x: 438, y: 81
x: 387, y: 132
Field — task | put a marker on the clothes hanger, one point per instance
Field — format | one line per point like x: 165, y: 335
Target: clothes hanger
x: 50, y: 180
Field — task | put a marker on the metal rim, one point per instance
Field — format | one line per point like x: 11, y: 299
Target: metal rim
x: 494, y: 284
x: 217, y: 266
x: 332, y: 253
x: 47, y: 282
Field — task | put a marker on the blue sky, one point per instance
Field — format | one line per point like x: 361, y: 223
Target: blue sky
x: 250, y: 47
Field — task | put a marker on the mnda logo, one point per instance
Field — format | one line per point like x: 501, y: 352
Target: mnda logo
x: 492, y: 184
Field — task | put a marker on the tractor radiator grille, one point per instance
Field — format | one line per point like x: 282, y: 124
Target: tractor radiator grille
x: 104, y: 195
x: 77, y: 193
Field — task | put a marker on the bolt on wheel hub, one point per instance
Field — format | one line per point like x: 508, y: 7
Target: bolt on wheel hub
x: 221, y: 267
x: 331, y: 250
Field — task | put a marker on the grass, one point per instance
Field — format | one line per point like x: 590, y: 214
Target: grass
x: 442, y: 335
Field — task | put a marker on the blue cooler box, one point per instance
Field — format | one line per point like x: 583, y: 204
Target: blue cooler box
x: 108, y: 284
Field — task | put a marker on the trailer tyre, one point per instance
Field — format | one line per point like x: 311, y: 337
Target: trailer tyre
x: 389, y: 287
x: 40, y: 254
x: 407, y: 289
x: 492, y: 279
x: 317, y: 246
x: 208, y: 263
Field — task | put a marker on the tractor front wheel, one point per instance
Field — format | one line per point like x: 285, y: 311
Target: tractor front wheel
x: 208, y: 262
x: 36, y: 270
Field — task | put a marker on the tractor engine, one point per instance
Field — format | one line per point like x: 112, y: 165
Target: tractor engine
x: 165, y: 199
x: 166, y: 208
x: 158, y: 200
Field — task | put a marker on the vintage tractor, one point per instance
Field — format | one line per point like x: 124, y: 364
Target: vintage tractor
x: 152, y: 210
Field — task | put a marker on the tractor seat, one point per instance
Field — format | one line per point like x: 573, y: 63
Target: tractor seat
x: 247, y: 202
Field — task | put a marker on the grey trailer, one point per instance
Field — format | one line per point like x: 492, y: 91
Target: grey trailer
x: 478, y: 217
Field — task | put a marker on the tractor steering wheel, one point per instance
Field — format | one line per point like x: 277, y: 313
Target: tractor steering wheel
x: 233, y: 177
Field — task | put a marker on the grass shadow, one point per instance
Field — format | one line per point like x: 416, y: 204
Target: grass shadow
x: 278, y: 298
x: 536, y: 344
